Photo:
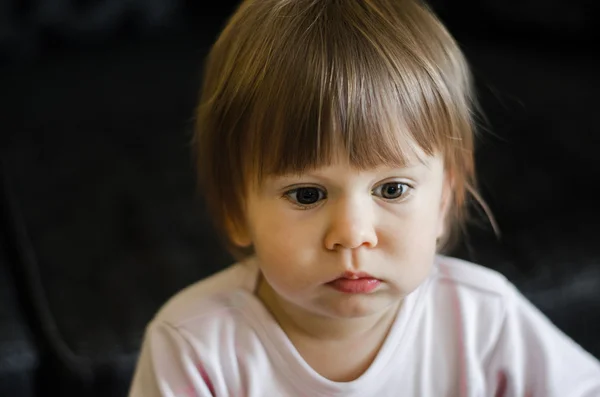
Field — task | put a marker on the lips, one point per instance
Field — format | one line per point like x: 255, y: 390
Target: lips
x: 355, y: 283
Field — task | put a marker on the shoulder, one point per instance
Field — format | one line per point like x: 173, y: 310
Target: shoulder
x: 513, y: 337
x: 481, y: 298
x: 472, y: 278
x: 213, y: 296
x: 471, y: 303
x: 212, y: 321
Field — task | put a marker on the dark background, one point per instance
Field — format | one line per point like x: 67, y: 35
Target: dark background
x: 100, y: 222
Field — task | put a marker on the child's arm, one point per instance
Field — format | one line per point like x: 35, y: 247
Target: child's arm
x: 534, y: 358
x: 168, y: 367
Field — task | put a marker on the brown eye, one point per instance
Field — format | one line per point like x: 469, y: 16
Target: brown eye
x: 306, y: 195
x: 391, y: 190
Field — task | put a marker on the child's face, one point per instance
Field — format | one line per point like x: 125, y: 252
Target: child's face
x: 308, y: 230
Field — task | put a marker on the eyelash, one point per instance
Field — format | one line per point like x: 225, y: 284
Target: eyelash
x: 407, y: 191
x: 287, y: 195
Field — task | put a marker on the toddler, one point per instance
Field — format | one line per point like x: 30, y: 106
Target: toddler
x: 335, y: 148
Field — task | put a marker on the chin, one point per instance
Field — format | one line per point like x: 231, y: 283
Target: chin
x: 355, y: 306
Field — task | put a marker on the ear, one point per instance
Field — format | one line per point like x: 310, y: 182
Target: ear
x: 445, y: 203
x: 238, y: 233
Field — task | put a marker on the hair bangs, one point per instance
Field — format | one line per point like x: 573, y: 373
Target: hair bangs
x: 346, y: 93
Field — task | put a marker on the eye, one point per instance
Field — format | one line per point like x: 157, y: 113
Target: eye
x: 391, y: 190
x: 305, y: 196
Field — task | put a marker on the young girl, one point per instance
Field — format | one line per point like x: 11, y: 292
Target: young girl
x: 335, y: 148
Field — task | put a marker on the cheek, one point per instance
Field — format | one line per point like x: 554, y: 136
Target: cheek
x: 415, y: 225
x: 411, y: 256
x: 271, y: 238
x: 285, y: 256
x: 285, y: 239
x: 410, y: 241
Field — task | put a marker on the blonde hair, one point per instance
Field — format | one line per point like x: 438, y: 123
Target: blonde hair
x: 289, y: 82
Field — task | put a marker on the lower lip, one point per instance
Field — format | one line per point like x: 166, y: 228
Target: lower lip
x: 356, y: 286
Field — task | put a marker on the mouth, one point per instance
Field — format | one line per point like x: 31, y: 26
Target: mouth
x: 355, y: 283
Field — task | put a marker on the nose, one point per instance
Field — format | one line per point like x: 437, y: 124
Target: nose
x: 352, y: 225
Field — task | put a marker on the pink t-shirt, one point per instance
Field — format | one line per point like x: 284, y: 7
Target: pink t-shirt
x: 466, y: 331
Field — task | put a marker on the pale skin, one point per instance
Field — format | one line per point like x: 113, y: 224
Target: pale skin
x: 309, y: 229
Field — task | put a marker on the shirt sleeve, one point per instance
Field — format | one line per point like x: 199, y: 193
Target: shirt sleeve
x: 168, y: 366
x: 534, y: 358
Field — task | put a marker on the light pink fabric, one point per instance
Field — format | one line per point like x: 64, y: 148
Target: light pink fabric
x: 465, y: 332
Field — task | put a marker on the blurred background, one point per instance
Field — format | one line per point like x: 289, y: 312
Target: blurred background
x: 99, y: 218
